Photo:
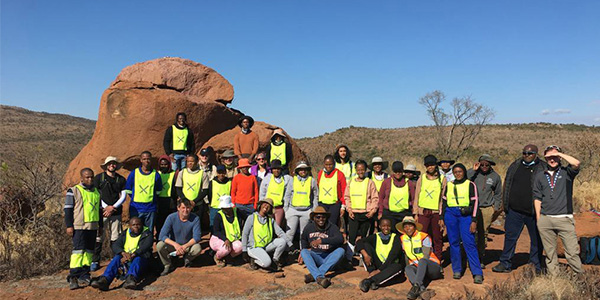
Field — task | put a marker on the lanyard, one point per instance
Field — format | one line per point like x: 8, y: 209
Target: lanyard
x: 552, y: 184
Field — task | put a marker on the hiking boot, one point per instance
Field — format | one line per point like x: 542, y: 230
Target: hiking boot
x: 73, y: 283
x: 500, y: 268
x: 100, y: 283
x: 478, y: 279
x: 277, y: 266
x: 324, y: 282
x: 253, y: 264
x: 456, y: 275
x: 187, y: 263
x: 374, y: 286
x: 84, y: 281
x: 414, y: 292
x: 219, y: 262
x: 308, y: 278
x: 130, y: 283
x: 166, y: 271
x: 365, y: 285
x: 94, y: 266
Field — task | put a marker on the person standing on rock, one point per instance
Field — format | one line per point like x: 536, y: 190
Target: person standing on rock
x: 280, y: 149
x: 332, y: 184
x: 111, y: 186
x: 189, y: 184
x: 143, y: 186
x: 167, y: 199
x: 228, y: 160
x: 377, y: 174
x: 275, y: 186
x: 396, y: 196
x: 553, y: 201
x: 245, y: 143
x: 489, y: 190
x: 83, y: 221
x: 362, y: 202
x: 426, y: 206
x: 300, y: 200
x: 519, y: 210
x: 244, y: 190
x: 218, y: 187
x: 261, y: 169
x: 179, y: 141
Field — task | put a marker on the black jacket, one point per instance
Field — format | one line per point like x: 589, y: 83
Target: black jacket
x: 396, y: 253
x: 145, y: 244
x: 539, y: 166
x: 330, y: 236
x: 168, y: 141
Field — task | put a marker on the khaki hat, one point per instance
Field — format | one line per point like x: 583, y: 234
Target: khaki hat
x: 487, y: 158
x: 111, y: 159
x: 320, y: 210
x: 302, y: 165
x: 408, y: 220
x: 228, y: 153
x: 379, y: 160
x: 411, y: 168
x: 266, y: 200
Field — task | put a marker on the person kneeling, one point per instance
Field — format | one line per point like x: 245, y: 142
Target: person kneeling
x: 381, y: 253
x: 258, y: 238
x: 226, y: 235
x: 421, y: 261
x: 132, y: 250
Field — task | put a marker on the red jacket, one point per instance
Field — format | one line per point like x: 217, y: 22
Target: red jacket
x: 244, y: 190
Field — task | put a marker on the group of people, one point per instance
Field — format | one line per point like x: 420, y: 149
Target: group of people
x: 258, y: 207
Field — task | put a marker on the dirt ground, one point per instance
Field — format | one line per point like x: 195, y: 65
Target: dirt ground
x: 206, y: 281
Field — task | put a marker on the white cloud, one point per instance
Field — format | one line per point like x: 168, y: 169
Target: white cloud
x: 558, y: 111
x: 597, y: 119
x: 545, y: 112
x: 562, y: 111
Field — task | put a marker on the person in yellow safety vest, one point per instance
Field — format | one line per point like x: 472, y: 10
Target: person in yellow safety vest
x: 377, y: 174
x: 83, y: 221
x: 459, y: 215
x: 275, y: 186
x: 143, y: 186
x: 396, y: 196
x: 421, y: 262
x: 301, y: 199
x: 261, y: 236
x: 226, y: 238
x: 228, y: 160
x: 179, y: 141
x: 189, y: 184
x: 428, y: 196
x: 280, y: 149
x: 332, y: 184
x: 218, y: 187
x: 133, y: 250
x: 343, y: 163
x: 382, y: 256
x: 167, y: 197
x: 362, y: 202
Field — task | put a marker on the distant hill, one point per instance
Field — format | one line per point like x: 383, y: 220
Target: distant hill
x: 58, y: 136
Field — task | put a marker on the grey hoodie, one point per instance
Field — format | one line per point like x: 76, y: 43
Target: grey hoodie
x: 489, y: 188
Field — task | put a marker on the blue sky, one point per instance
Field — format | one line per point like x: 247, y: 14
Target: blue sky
x: 314, y: 66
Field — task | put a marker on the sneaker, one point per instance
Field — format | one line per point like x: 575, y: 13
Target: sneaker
x: 100, y: 283
x: 500, y: 268
x: 220, y: 262
x: 130, y: 283
x: 365, y: 285
x: 414, y: 292
x: 94, y: 266
x: 478, y: 279
x: 324, y: 282
x: 166, y: 271
x: 456, y: 275
x: 84, y: 281
x: 374, y: 286
x: 308, y: 278
x: 73, y: 283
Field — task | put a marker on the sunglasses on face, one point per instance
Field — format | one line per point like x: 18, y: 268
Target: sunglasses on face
x: 260, y: 158
x: 529, y: 152
x: 484, y: 165
x: 320, y: 217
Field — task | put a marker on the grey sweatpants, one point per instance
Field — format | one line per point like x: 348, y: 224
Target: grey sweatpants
x: 261, y: 255
x: 293, y: 217
x: 426, y: 267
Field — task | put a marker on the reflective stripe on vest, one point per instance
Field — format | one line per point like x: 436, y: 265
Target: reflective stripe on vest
x: 278, y: 152
x: 91, y: 202
x: 429, y: 195
x: 144, y: 186
x: 328, y: 193
x: 132, y: 243
x: 192, y: 183
x: 167, y: 184
x: 301, y: 196
x: 462, y: 192
x: 346, y: 169
x: 218, y: 190
x: 413, y: 248
x: 179, y: 138
x: 358, y: 193
x: 383, y: 250
x: 232, y: 230
x: 377, y: 182
x: 263, y: 233
x: 275, y: 191
x: 80, y: 258
x: 398, y: 199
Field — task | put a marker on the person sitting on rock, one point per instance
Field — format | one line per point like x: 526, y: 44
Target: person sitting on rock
x: 322, y: 247
x: 226, y: 238
x: 280, y: 149
x: 245, y: 142
x: 132, y: 251
x: 179, y: 141
x: 382, y: 256
x: 244, y: 190
x: 275, y: 186
x: 228, y: 160
x: 261, y: 237
x: 421, y: 262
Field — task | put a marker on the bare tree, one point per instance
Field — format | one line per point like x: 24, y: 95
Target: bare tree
x: 455, y: 131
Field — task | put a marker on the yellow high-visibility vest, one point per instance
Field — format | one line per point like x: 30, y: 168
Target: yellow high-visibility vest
x: 167, y: 184
x: 132, y: 243
x: 413, y: 247
x: 218, y: 190
x: 179, y: 138
x: 461, y: 198
x: 192, y: 183
x: 328, y: 193
x: 358, y: 193
x: 278, y: 152
x: 383, y: 250
x: 301, y: 196
x: 232, y: 230
x: 263, y: 233
x: 398, y: 199
x: 429, y: 195
x: 91, y: 202
x: 144, y: 186
x: 275, y: 191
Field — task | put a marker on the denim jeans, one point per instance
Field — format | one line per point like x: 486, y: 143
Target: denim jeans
x: 513, y: 226
x: 244, y: 210
x: 179, y: 162
x: 319, y: 263
x: 148, y: 218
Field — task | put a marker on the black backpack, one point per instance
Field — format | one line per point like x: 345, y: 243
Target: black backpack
x: 590, y: 250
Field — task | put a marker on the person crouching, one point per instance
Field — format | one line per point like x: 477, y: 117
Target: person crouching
x: 226, y: 234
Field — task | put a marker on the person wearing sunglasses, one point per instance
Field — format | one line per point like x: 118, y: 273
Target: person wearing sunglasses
x: 518, y: 209
x: 553, y: 201
x: 261, y: 168
x: 489, y: 191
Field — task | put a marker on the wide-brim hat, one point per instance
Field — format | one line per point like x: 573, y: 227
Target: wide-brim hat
x: 111, y: 159
x: 228, y: 153
x: 379, y: 160
x: 249, y: 118
x: 451, y: 161
x: 225, y: 202
x: 320, y: 210
x: 487, y: 158
x: 266, y: 200
x: 408, y: 220
x: 410, y: 168
x: 244, y: 163
x: 276, y: 164
x: 302, y: 165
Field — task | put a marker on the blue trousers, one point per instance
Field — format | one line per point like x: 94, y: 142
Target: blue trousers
x: 148, y: 218
x: 458, y: 230
x: 212, y: 213
x: 513, y: 226
x: 244, y: 210
x: 179, y: 162
x: 319, y: 263
x: 136, y: 268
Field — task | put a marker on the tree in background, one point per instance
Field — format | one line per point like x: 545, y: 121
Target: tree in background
x: 456, y: 130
